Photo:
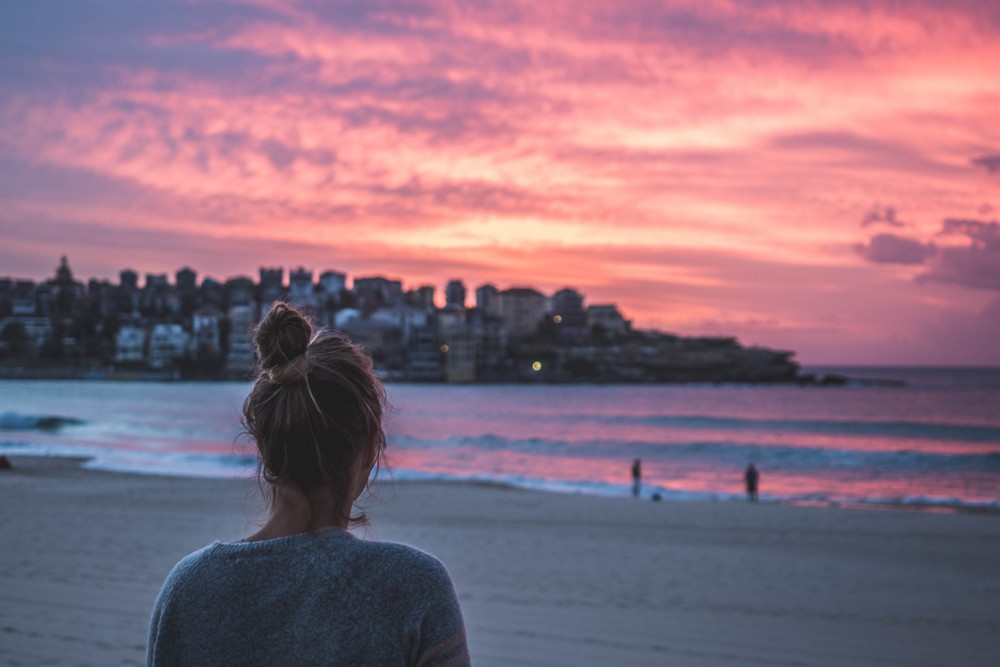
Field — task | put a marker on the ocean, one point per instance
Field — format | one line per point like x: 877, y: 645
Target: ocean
x: 931, y: 444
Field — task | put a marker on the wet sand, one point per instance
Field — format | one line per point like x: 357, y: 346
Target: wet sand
x: 543, y: 579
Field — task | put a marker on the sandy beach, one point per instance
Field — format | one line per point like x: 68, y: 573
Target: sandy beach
x: 543, y: 579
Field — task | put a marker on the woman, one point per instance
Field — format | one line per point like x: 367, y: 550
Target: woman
x: 302, y: 590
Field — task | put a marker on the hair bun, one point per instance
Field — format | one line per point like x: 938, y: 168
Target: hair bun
x: 282, y: 336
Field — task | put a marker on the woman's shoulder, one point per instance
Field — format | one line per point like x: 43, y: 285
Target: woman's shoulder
x: 403, y: 556
x: 190, y: 567
x: 404, y: 566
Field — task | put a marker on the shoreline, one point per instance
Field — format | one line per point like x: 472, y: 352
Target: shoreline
x: 543, y: 578
x: 688, y: 498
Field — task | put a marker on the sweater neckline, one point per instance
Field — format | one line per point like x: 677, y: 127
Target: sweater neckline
x: 323, y: 534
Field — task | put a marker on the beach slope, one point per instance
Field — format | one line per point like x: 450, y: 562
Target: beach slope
x: 543, y: 579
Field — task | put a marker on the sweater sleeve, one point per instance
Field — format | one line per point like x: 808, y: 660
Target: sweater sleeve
x: 441, y: 641
x: 163, y: 646
x: 159, y: 646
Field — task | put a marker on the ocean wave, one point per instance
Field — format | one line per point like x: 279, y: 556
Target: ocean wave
x: 888, y: 429
x: 665, y: 493
x: 729, y: 454
x: 210, y: 465
x: 14, y: 421
x: 580, y: 487
x: 926, y: 502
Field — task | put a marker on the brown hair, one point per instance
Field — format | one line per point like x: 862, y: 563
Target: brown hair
x: 315, y: 407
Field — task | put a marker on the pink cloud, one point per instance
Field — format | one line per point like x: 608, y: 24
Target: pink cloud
x: 895, y: 249
x: 696, y: 162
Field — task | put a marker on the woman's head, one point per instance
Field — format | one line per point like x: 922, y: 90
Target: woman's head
x: 315, y: 410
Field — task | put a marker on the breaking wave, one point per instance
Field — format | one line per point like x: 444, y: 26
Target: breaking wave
x: 13, y: 421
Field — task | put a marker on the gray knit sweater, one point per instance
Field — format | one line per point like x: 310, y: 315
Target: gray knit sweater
x: 324, y: 598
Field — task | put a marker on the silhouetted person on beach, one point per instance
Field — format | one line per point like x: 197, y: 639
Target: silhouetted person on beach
x: 636, y: 477
x: 751, y: 477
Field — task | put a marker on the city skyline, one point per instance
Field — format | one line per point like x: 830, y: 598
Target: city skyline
x: 819, y: 177
x: 171, y: 277
x: 102, y: 330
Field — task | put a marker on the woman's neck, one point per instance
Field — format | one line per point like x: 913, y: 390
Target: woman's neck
x: 293, y: 512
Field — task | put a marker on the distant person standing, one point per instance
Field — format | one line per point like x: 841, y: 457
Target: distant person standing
x: 751, y: 477
x: 636, y: 477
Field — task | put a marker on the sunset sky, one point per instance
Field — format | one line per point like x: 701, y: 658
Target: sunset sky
x: 816, y: 176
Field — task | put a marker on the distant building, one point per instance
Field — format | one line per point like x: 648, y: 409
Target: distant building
x: 450, y: 319
x: 242, y: 320
x: 331, y: 294
x: 422, y: 297
x: 6, y: 294
x: 382, y: 337
x: 423, y: 355
x: 240, y: 291
x: 567, y: 306
x: 345, y: 318
x: 272, y: 284
x: 402, y: 317
x: 487, y: 300
x: 211, y: 293
x: 101, y: 298
x: 187, y: 281
x: 377, y: 292
x: 206, y: 328
x: 187, y: 292
x: 522, y: 309
x: 333, y: 283
x: 605, y: 317
x: 23, y: 299
x: 36, y: 330
x: 567, y: 320
x: 153, y: 297
x: 129, y: 280
x: 301, y: 290
x: 491, y: 340
x: 271, y: 276
x: 457, y: 346
x: 454, y: 295
x: 44, y: 299
x: 130, y: 344
x: 128, y: 291
x: 156, y: 281
x: 167, y: 342
x: 459, y: 356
